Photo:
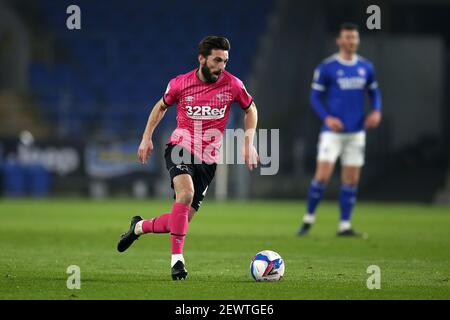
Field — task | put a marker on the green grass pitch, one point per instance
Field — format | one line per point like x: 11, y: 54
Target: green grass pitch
x: 39, y: 239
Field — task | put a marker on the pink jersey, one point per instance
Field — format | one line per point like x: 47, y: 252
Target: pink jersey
x: 203, y: 110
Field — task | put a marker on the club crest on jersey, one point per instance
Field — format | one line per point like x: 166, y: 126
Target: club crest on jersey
x: 189, y: 98
x: 224, y: 96
x: 205, y: 112
x: 361, y: 72
x: 182, y: 167
x: 340, y: 73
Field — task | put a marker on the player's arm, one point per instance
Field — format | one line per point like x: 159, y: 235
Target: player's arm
x: 374, y: 118
x: 250, y: 122
x: 318, y: 89
x: 146, y: 146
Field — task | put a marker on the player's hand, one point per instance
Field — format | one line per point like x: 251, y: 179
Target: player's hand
x: 145, y: 150
x: 334, y: 123
x: 251, y: 157
x: 373, y: 120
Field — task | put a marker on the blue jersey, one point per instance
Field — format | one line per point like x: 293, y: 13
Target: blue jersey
x: 339, y: 87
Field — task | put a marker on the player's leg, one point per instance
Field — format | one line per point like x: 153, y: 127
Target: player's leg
x: 329, y: 148
x: 184, y: 194
x: 352, y: 162
x: 347, y: 197
x: 190, y: 192
x: 159, y: 224
x: 324, y: 170
x: 139, y: 226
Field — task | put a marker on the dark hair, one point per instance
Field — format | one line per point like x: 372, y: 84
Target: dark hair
x: 212, y: 42
x: 348, y: 26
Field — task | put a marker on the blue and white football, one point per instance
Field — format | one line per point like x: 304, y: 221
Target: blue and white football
x: 267, y: 265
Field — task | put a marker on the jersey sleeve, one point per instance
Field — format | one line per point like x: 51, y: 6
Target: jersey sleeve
x: 318, y: 88
x: 241, y: 95
x: 171, y: 96
x: 319, y: 81
x: 373, y: 90
x: 372, y: 83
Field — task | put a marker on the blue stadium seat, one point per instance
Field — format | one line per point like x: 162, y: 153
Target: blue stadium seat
x: 14, y: 180
x: 38, y: 180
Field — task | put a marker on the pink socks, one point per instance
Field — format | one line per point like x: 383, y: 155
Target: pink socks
x: 178, y: 226
x: 159, y: 224
x: 175, y: 222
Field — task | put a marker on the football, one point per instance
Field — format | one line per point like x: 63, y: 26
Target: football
x: 267, y: 265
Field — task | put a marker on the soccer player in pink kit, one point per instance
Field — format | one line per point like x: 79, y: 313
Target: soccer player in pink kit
x: 203, y: 97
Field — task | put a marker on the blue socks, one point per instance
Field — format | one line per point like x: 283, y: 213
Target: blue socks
x: 347, y: 200
x: 315, y: 194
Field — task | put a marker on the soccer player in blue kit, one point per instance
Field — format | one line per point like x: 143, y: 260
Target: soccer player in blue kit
x: 338, y: 97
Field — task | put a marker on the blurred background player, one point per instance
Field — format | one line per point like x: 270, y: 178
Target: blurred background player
x: 203, y: 97
x: 338, y: 97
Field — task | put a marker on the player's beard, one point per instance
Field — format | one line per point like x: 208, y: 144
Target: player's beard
x: 209, y: 75
x: 352, y: 49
